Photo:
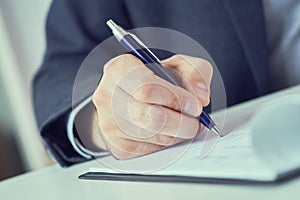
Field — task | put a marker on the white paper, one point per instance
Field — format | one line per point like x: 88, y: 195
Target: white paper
x: 256, y: 147
x: 231, y: 157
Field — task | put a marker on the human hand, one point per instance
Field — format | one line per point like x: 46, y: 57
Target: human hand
x: 139, y: 113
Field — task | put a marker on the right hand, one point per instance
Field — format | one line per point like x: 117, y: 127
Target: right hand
x: 139, y: 113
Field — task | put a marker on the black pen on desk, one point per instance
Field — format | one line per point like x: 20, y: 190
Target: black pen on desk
x: 136, y: 47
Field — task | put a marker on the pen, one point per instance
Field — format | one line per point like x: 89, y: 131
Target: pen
x: 136, y: 47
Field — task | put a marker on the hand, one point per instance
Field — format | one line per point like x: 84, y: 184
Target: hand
x: 139, y: 113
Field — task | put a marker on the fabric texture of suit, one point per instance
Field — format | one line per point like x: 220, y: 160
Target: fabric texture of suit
x: 232, y: 31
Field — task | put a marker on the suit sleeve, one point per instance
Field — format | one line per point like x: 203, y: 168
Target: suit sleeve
x: 73, y: 29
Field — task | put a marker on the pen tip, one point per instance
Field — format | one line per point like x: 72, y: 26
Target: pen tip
x: 217, y: 131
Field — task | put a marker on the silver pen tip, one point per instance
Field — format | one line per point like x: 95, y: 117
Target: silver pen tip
x: 217, y: 131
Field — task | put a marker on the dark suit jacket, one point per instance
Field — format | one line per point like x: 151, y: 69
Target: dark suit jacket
x: 232, y: 31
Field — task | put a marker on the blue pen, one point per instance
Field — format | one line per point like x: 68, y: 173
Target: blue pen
x: 138, y: 49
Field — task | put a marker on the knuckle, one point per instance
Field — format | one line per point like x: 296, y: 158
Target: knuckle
x: 174, y: 103
x: 178, y: 56
x: 110, y: 65
x: 101, y: 94
x: 180, y: 59
x: 99, y: 98
x: 144, y: 93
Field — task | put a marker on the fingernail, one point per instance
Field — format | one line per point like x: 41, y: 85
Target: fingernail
x: 192, y: 108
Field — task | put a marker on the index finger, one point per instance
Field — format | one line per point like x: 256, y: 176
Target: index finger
x: 196, y: 74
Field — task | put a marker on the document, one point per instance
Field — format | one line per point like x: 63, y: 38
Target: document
x: 208, y: 156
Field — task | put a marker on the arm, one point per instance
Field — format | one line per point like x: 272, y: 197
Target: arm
x: 73, y: 30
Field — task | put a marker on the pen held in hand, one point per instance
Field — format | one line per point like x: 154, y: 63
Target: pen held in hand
x: 136, y: 47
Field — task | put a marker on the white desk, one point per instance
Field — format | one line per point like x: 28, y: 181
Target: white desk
x: 57, y: 183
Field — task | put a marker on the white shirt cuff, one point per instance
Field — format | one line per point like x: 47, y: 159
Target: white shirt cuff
x: 78, y: 147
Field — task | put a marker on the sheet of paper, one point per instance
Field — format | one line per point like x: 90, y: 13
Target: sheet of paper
x: 232, y: 157
x: 276, y: 134
x: 209, y: 156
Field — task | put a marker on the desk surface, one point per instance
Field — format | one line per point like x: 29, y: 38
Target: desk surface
x: 62, y: 183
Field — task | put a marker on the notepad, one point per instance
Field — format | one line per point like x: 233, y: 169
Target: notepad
x: 238, y: 156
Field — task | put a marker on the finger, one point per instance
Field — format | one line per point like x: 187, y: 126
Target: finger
x: 196, y: 72
x: 111, y: 134
x: 153, y: 90
x: 136, y: 79
x: 114, y: 108
x: 175, y: 124
x: 145, y: 120
x: 113, y: 131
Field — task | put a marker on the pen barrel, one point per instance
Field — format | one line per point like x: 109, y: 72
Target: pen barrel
x: 146, y: 57
x: 206, y: 120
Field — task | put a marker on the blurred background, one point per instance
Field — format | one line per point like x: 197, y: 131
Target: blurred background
x: 22, y: 40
